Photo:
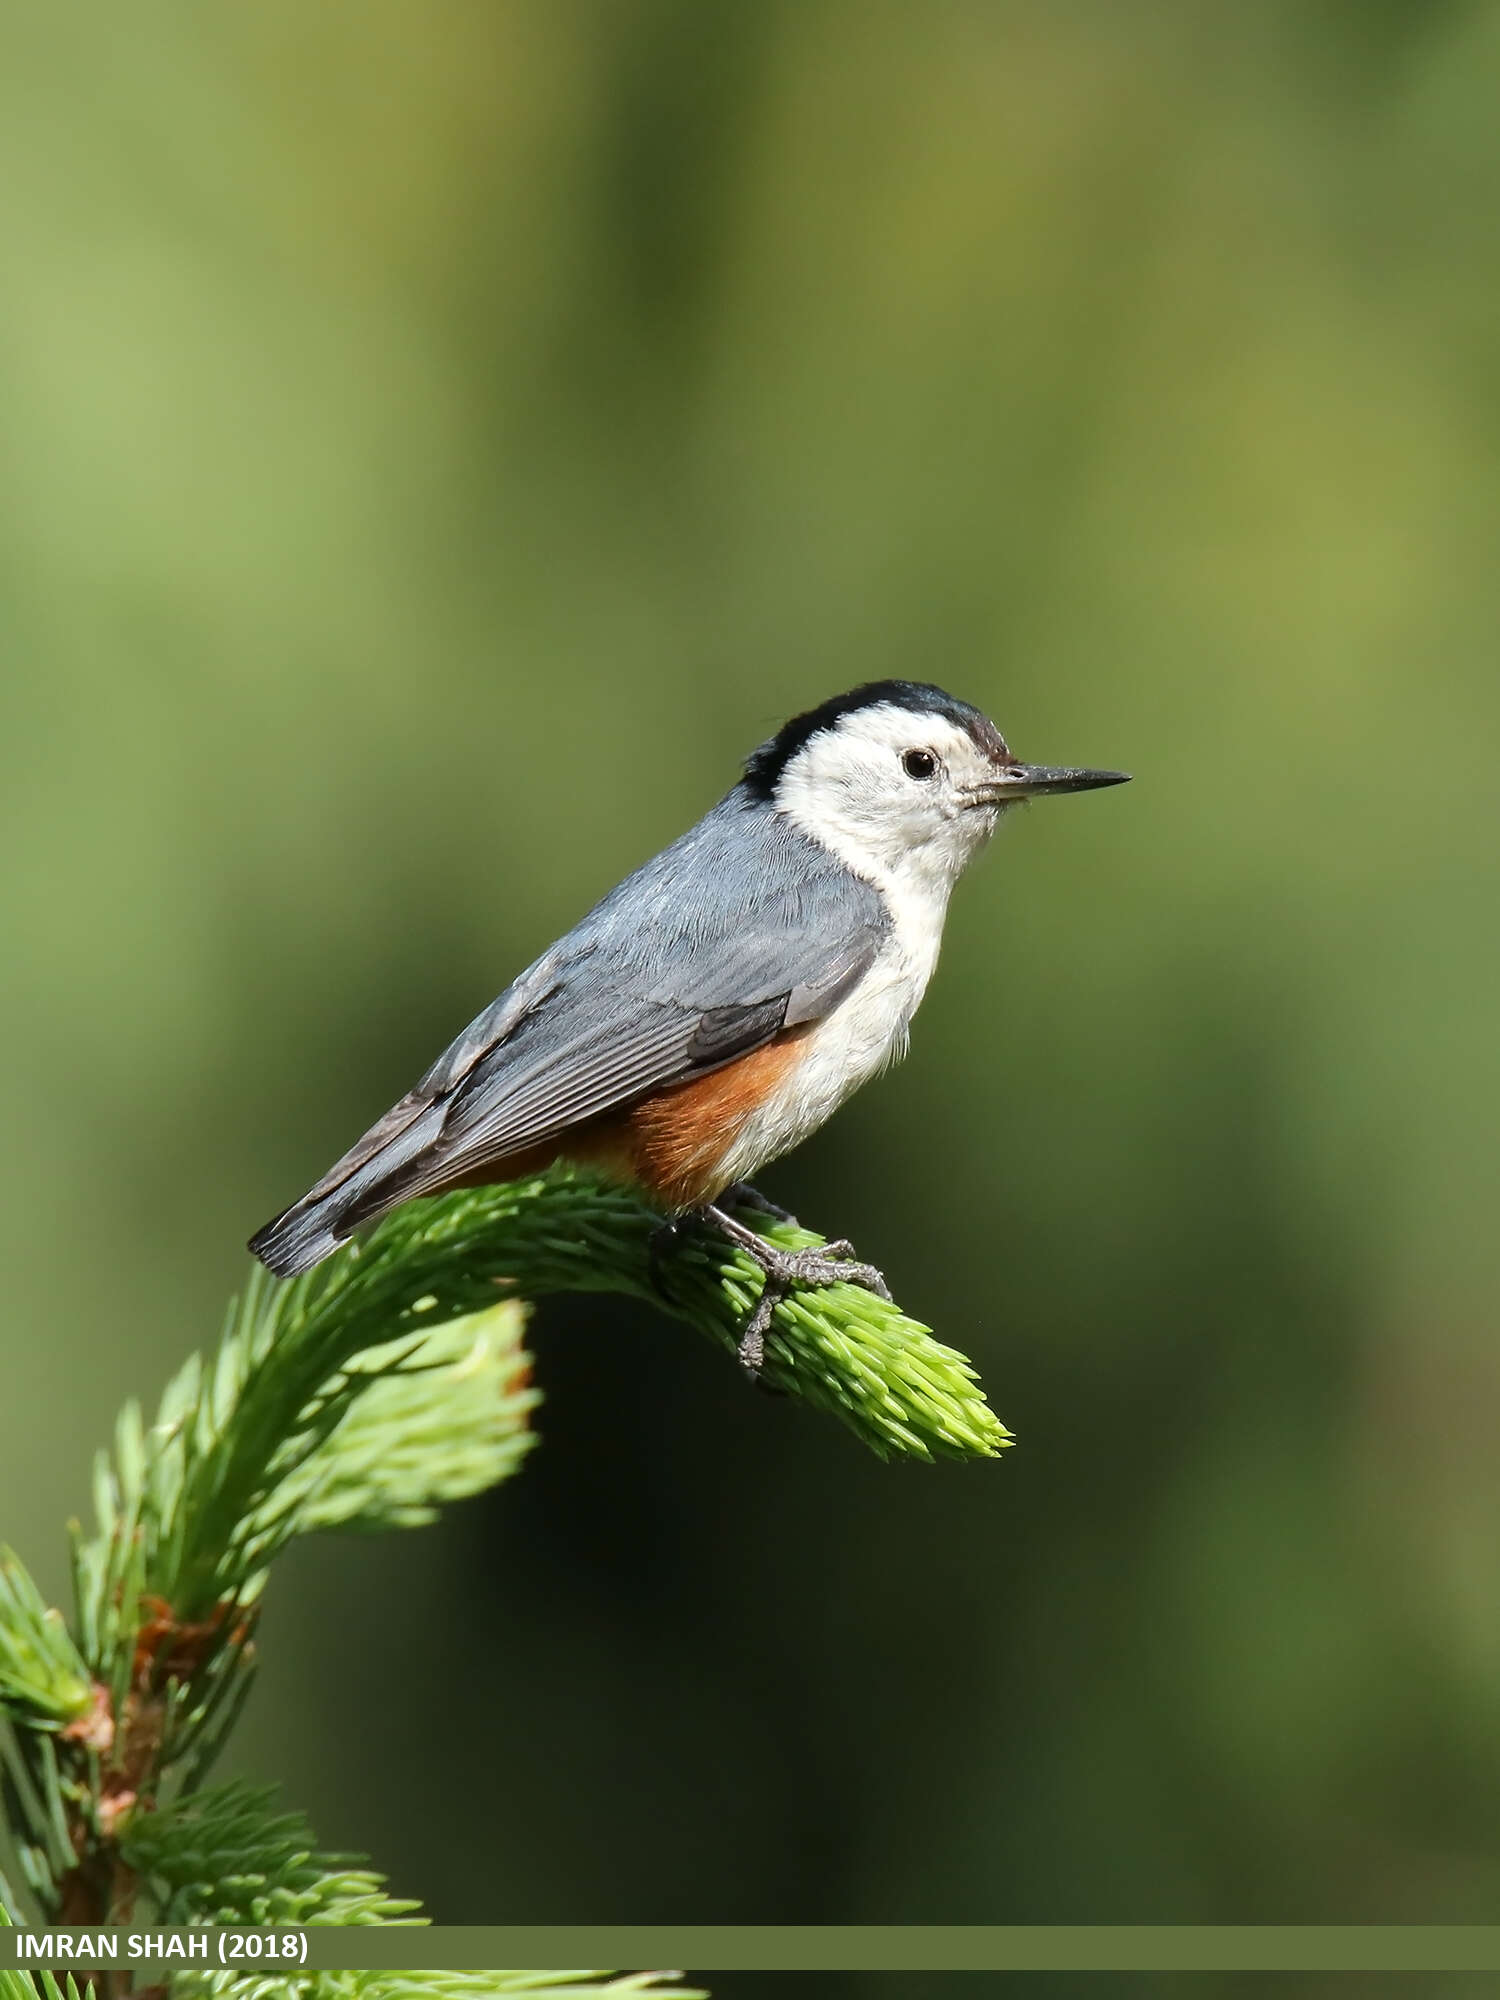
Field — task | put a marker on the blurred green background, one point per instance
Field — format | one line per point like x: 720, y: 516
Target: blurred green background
x: 440, y: 442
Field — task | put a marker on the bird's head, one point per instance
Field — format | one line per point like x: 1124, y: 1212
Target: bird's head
x: 901, y: 780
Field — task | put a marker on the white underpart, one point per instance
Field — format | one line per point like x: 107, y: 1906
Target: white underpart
x: 912, y: 839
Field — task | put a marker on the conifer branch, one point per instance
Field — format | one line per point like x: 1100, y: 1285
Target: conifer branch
x: 227, y: 1856
x: 840, y: 1348
x: 365, y: 1395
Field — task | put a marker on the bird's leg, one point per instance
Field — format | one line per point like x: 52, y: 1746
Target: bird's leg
x: 742, y: 1195
x: 831, y: 1264
x: 659, y: 1245
x: 663, y: 1241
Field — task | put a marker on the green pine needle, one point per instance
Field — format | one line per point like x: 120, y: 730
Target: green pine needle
x: 552, y: 1985
x: 226, y: 1856
x: 447, y: 1417
x: 266, y: 1984
x: 42, y: 1678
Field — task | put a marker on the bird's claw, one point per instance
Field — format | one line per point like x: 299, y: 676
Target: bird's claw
x: 826, y: 1264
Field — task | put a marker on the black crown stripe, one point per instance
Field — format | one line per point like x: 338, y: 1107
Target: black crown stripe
x: 763, y: 767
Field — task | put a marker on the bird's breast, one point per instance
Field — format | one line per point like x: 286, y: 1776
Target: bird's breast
x: 862, y: 1036
x: 679, y: 1139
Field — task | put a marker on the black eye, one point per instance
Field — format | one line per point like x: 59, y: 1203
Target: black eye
x: 919, y: 763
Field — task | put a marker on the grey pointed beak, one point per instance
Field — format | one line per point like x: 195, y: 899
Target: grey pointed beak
x: 1038, y: 781
x: 1034, y: 781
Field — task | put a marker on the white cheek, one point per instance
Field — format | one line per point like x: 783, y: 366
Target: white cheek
x: 913, y: 856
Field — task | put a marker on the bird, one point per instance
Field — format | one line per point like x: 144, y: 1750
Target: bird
x: 721, y: 1002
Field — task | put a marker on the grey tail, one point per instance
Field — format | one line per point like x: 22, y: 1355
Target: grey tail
x: 373, y: 1176
x: 297, y: 1239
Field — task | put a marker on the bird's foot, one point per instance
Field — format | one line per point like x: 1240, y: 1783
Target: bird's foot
x: 829, y: 1264
x: 742, y: 1195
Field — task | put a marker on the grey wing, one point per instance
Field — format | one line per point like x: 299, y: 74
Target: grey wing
x: 741, y: 929
x: 604, y: 1038
x: 484, y: 1033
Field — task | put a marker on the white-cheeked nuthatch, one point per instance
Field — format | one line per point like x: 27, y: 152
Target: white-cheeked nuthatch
x: 723, y: 1000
